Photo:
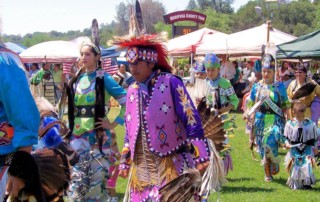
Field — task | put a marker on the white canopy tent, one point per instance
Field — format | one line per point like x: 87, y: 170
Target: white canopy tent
x: 252, y: 41
x: 54, y: 51
x: 185, y: 45
x: 216, y: 43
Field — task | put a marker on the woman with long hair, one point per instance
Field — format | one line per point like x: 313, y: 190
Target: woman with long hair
x: 88, y: 93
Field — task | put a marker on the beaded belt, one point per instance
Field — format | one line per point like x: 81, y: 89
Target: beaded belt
x: 265, y: 110
x: 85, y: 111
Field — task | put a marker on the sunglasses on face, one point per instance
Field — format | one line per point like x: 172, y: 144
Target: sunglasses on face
x: 298, y: 72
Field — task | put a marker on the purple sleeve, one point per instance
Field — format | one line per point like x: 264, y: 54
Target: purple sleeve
x: 189, y: 116
x: 125, y: 162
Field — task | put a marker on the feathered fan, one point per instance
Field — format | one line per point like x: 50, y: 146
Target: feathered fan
x: 182, y: 188
x: 304, y: 90
x: 216, y: 129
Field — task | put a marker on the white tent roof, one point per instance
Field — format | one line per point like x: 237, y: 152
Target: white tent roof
x: 80, y: 40
x: 53, y: 51
x: 216, y: 43
x: 250, y: 41
x: 185, y: 45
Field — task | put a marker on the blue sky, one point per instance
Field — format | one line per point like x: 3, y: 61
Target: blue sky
x: 28, y: 16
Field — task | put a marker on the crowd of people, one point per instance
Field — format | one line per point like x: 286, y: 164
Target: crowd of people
x: 169, y: 142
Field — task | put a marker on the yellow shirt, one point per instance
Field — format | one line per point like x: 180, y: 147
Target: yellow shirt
x: 307, y: 100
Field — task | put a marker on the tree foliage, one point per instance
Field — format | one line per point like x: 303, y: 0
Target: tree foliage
x: 220, y: 6
x: 218, y: 21
x: 152, y: 13
x: 162, y: 27
x: 192, y: 5
x: 293, y: 17
x: 122, y: 18
x: 246, y: 17
x: 318, y: 16
x: 297, y: 18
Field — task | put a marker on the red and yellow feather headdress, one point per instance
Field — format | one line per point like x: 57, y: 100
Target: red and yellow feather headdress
x: 148, y: 48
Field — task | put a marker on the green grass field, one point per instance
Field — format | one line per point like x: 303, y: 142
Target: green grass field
x: 246, y: 181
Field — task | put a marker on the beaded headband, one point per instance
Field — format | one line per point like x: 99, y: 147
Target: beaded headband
x: 93, y: 46
x: 135, y: 54
x: 145, y: 47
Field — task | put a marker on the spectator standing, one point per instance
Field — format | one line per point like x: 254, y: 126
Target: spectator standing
x: 122, y: 76
x: 58, y: 78
x: 33, y: 69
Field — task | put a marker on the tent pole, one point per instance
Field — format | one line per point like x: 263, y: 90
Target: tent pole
x: 192, y: 79
x: 275, y: 68
x: 268, y: 30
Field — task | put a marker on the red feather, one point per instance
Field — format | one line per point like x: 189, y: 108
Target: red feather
x: 154, y: 41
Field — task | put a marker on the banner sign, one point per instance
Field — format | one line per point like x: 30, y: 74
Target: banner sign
x: 185, y: 16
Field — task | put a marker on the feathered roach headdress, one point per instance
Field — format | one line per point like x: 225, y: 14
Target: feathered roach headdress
x: 141, y: 46
x: 148, y: 48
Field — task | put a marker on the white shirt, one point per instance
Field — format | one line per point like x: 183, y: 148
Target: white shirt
x: 228, y: 71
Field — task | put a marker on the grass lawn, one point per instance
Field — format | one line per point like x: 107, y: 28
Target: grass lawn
x: 246, y: 181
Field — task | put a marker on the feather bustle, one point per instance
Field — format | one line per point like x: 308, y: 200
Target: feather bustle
x: 182, y: 188
x: 148, y: 169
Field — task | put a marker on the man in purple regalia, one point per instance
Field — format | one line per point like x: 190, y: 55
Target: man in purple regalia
x: 164, y: 136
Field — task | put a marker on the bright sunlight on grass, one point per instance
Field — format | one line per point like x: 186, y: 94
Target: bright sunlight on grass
x: 246, y: 181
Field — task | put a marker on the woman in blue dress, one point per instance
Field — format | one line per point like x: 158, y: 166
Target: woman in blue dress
x: 270, y: 100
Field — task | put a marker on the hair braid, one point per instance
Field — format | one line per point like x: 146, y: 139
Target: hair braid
x: 71, y: 105
x: 99, y: 107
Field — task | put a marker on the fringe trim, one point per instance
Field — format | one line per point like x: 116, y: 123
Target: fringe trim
x: 127, y: 196
x: 309, y: 132
x: 299, y: 175
x: 214, y: 177
x: 167, y: 173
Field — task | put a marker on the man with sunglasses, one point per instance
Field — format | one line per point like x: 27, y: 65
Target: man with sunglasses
x: 302, y: 89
